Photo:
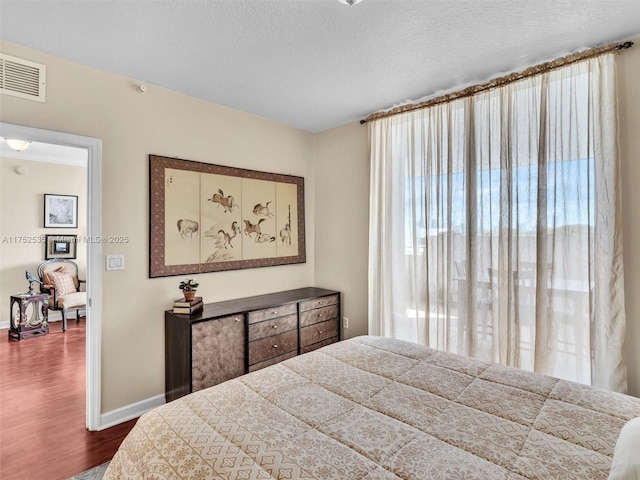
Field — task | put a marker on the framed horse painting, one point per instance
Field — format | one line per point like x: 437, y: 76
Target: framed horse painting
x: 209, y: 218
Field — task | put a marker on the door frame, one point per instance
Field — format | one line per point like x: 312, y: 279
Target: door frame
x: 94, y: 252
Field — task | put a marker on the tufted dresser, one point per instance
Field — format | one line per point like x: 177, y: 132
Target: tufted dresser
x: 228, y: 339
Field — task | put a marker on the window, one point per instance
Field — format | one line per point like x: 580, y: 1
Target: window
x: 483, y: 219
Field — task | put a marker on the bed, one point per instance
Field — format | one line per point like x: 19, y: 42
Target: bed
x: 378, y: 408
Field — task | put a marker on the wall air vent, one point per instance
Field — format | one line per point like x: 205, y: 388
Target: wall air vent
x: 22, y: 78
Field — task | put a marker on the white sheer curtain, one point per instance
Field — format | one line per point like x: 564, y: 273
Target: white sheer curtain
x: 495, y: 226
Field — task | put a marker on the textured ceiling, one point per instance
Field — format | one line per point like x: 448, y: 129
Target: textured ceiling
x: 314, y: 64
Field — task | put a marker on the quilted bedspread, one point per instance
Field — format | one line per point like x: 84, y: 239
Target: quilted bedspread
x: 379, y: 408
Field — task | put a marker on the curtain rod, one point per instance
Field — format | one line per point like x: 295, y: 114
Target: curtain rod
x: 498, y: 82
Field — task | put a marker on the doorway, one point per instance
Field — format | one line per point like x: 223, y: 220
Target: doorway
x: 93, y: 146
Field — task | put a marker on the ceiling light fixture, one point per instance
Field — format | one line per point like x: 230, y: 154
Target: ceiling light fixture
x: 17, y: 144
x: 349, y: 2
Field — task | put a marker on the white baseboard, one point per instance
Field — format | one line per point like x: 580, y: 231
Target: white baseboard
x: 129, y: 412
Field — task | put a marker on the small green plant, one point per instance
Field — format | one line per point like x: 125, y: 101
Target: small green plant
x: 188, y: 285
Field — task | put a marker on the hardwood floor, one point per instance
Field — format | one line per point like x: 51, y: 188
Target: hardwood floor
x: 42, y: 408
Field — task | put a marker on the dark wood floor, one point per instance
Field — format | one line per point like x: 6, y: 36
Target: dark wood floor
x: 42, y: 408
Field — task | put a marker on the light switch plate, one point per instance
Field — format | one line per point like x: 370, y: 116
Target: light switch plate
x: 114, y: 262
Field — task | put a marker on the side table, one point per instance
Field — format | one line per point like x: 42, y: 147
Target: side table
x: 29, y: 315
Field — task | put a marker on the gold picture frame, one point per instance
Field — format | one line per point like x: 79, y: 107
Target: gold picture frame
x: 60, y: 246
x: 210, y: 218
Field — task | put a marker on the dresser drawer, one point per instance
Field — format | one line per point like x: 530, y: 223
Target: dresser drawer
x: 318, y: 332
x: 272, y: 327
x: 319, y: 302
x: 272, y: 361
x: 268, y: 313
x: 318, y: 315
x: 315, y: 346
x: 270, y: 347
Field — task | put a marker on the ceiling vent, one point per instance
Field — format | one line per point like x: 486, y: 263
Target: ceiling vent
x: 22, y: 78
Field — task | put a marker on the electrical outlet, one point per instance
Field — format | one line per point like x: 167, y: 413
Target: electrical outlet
x: 345, y: 322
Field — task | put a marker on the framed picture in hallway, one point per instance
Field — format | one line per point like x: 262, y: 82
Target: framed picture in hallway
x: 60, y: 211
x: 60, y: 246
x: 209, y: 218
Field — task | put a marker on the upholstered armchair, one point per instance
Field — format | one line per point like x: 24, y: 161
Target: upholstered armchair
x: 60, y: 280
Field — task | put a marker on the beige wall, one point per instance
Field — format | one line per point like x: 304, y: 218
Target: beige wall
x: 86, y: 101
x: 629, y: 115
x: 342, y: 219
x: 22, y: 231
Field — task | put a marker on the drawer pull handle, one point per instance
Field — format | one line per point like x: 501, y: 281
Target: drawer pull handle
x: 275, y: 312
x: 274, y: 326
x: 238, y: 319
x: 275, y: 346
x: 320, y: 332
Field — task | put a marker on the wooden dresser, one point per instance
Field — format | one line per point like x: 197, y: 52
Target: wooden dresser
x: 228, y: 339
